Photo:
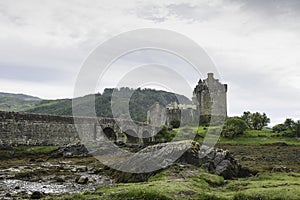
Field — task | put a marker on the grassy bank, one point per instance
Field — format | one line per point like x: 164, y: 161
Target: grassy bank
x: 263, y: 151
x: 250, y: 137
x: 176, y: 184
x: 263, y: 137
x: 26, y: 151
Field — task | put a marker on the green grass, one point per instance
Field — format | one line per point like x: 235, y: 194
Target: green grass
x: 244, y: 140
x: 250, y: 137
x: 28, y: 150
x: 201, y: 186
x: 263, y: 137
x: 35, y: 149
x: 11, y: 103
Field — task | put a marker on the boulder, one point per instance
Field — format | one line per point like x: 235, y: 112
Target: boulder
x: 6, y: 147
x: 71, y: 151
x: 82, y: 180
x: 60, y: 179
x: 37, y: 195
x: 216, y: 161
x: 226, y: 169
x: 164, y: 155
x: 81, y: 168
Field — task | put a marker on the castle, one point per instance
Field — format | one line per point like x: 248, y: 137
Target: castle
x: 209, y: 101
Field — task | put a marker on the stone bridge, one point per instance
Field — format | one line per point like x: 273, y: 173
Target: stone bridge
x: 126, y: 131
x: 35, y: 129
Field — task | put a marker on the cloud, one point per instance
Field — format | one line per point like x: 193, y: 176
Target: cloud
x: 180, y: 10
x: 194, y: 12
x: 254, y: 44
x: 270, y: 14
x: 269, y: 8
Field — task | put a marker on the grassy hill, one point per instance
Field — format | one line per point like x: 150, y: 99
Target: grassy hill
x: 140, y: 101
x: 17, y: 102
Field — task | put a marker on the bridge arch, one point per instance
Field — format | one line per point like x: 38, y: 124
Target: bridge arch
x: 110, y: 133
x: 146, y: 137
x: 131, y: 137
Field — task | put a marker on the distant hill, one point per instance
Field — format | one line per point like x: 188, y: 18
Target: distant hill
x: 139, y: 103
x: 17, y: 102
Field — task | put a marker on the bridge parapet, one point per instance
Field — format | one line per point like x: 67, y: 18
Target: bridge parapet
x: 38, y: 129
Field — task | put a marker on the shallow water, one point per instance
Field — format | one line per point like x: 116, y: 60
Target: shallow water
x: 14, y: 186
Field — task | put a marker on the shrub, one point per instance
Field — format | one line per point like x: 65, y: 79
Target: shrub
x: 288, y: 134
x: 289, y: 128
x: 296, y: 128
x: 279, y: 128
x: 175, y: 123
x: 164, y: 135
x: 233, y: 127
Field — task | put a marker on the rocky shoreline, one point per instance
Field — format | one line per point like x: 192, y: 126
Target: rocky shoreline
x: 71, y: 169
x: 35, y: 179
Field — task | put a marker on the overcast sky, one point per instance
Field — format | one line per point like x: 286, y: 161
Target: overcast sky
x: 254, y: 44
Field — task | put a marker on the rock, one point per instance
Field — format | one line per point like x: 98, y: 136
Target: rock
x: 280, y: 144
x: 60, y: 179
x: 226, y: 169
x: 68, y: 154
x: 218, y: 158
x: 11, y: 153
x: 71, y: 151
x: 211, y: 155
x: 82, y: 180
x: 6, y: 147
x: 66, y: 167
x: 217, y: 161
x: 74, y: 170
x: 280, y: 168
x: 91, y: 170
x: 37, y: 195
x: 91, y: 180
x: 7, y: 195
x: 81, y: 168
x: 209, y: 167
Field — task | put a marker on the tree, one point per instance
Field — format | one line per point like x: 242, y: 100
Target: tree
x: 233, y: 127
x: 247, y: 118
x: 279, y: 128
x: 289, y: 123
x: 255, y: 120
x: 296, y: 128
x: 289, y: 128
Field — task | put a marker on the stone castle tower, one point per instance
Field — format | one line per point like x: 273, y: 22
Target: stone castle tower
x: 210, y: 97
x: 209, y: 102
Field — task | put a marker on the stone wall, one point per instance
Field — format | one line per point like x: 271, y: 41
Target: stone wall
x: 156, y: 115
x: 35, y: 129
x: 210, y: 96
